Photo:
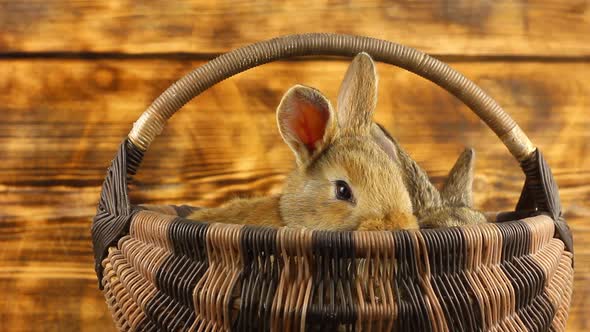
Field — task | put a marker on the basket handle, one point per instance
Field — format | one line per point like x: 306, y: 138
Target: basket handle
x: 152, y: 121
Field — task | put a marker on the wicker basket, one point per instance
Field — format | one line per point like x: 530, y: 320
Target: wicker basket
x: 161, y: 272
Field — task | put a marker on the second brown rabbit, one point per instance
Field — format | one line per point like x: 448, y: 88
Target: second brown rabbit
x: 343, y: 180
x: 453, y: 205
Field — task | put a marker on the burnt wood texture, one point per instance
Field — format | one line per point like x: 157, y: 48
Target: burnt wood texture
x: 74, y: 77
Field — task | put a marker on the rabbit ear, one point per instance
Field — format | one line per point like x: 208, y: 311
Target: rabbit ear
x: 422, y: 192
x: 306, y: 121
x: 357, y: 97
x: 385, y: 141
x: 457, y: 190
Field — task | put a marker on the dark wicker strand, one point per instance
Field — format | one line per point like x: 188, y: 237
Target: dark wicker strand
x: 413, y: 314
x: 541, y: 192
x: 114, y: 211
x: 526, y: 276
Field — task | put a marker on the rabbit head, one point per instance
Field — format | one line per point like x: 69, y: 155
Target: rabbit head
x: 456, y: 207
x: 343, y: 179
x: 453, y: 205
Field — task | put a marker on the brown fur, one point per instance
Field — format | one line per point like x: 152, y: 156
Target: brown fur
x: 328, y: 149
x: 254, y: 211
x: 453, y: 206
x: 457, y: 197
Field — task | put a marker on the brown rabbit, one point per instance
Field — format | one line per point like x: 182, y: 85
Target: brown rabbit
x: 453, y: 206
x: 343, y: 179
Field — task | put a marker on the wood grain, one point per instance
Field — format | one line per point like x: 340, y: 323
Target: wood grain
x: 59, y: 297
x: 62, y: 121
x: 512, y: 28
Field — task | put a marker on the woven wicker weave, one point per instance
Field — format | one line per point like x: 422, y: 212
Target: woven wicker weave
x: 161, y: 272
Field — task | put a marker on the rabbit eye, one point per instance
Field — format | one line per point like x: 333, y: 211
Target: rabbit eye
x: 343, y: 191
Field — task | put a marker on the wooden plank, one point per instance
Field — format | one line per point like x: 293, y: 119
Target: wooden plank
x: 34, y: 302
x: 530, y: 28
x: 62, y: 122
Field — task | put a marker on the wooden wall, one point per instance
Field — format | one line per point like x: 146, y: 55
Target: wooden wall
x: 74, y: 75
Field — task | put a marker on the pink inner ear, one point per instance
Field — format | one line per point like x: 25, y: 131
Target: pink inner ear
x: 309, y: 124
